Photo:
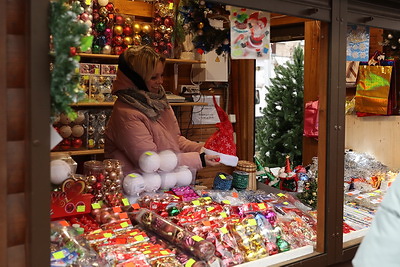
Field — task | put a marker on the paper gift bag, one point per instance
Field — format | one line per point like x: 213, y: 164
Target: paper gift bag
x: 372, y: 90
x: 311, y: 119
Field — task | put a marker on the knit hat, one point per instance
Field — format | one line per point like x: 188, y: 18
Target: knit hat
x: 221, y: 142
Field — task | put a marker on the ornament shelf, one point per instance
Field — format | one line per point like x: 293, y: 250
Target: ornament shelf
x: 110, y: 104
x: 77, y: 152
x: 168, y: 60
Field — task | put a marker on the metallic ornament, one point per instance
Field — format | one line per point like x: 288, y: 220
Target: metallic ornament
x: 118, y: 30
x: 146, y: 28
x: 137, y: 28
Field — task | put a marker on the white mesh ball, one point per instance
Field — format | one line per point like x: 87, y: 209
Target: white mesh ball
x: 59, y: 171
x: 133, y: 184
x: 168, y: 160
x: 168, y: 180
x: 184, y: 176
x: 149, y: 161
x: 152, y: 181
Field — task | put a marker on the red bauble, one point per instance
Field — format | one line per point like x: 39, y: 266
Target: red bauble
x: 119, y: 20
x: 65, y: 144
x: 118, y: 50
x: 157, y: 36
x: 128, y: 30
x: 158, y: 20
x: 76, y: 142
x: 72, y: 51
x: 110, y: 6
x: 168, y: 22
x: 118, y: 40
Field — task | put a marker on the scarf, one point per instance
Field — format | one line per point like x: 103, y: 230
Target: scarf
x: 150, y: 104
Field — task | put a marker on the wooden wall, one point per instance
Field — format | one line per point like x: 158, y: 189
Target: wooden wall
x: 14, y: 109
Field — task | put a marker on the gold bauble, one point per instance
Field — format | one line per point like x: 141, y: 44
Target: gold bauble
x: 201, y: 25
x: 162, y: 28
x: 128, y: 40
x: 137, y: 39
x: 137, y: 27
x: 146, y: 28
x: 118, y: 30
x: 128, y: 21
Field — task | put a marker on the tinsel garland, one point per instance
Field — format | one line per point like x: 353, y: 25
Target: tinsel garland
x: 66, y: 33
x: 193, y: 16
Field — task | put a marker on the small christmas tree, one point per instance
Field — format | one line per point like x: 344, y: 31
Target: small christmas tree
x: 280, y: 130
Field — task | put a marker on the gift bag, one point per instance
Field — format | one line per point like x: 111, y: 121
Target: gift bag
x: 311, y: 117
x: 372, y: 90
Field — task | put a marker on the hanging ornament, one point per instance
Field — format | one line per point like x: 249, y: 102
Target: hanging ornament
x: 96, y: 49
x: 102, y: 2
x: 100, y: 27
x: 168, y: 22
x: 146, y: 39
x: 128, y: 40
x: 103, y: 11
x: 137, y: 27
x: 119, y: 20
x: 146, y: 28
x: 118, y: 30
x: 162, y: 28
x: 128, y: 30
x: 118, y: 40
x: 118, y: 50
x: 201, y: 25
x: 390, y: 36
x: 157, y: 36
x: 137, y: 39
x: 106, y: 50
x: 394, y: 47
x: 110, y: 7
x: 128, y: 21
x: 158, y: 21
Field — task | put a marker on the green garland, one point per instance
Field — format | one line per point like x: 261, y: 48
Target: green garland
x: 66, y: 32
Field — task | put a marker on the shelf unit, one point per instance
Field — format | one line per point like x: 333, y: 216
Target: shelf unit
x: 77, y: 152
x: 110, y: 104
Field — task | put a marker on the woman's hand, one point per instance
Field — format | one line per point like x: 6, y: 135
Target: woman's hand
x: 212, y: 160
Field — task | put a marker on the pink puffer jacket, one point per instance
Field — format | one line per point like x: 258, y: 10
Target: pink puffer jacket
x: 130, y: 133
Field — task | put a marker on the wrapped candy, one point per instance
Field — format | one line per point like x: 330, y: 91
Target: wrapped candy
x: 249, y: 239
x: 196, y: 245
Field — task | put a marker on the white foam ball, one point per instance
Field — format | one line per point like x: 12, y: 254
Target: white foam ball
x: 184, y: 176
x: 149, y: 161
x: 133, y: 184
x: 168, y: 180
x: 103, y: 2
x: 168, y: 160
x: 152, y: 181
x: 59, y: 171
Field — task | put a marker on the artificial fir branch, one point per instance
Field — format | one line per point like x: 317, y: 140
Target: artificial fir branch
x: 66, y: 32
x: 279, y: 132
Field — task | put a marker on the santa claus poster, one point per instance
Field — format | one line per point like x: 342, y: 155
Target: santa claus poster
x: 250, y: 38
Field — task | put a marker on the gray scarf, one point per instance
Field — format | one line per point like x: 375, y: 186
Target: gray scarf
x: 150, y: 104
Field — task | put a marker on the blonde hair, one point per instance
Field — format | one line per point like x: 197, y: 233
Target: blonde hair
x: 143, y: 60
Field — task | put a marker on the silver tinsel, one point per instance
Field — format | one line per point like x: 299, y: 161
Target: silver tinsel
x: 362, y: 165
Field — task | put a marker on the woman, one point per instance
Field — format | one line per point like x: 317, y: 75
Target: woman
x: 142, y: 119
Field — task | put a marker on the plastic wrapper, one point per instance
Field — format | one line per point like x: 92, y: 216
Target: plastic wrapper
x: 187, y: 193
x: 248, y: 237
x: 196, y: 245
x: 69, y: 248
x: 230, y: 197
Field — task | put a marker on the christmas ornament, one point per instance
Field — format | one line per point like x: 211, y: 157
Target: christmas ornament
x: 168, y: 180
x: 102, y: 2
x: 80, y: 118
x: 127, y: 30
x: 64, y: 118
x: 149, y: 161
x: 59, y: 171
x: 146, y: 28
x: 152, y: 181
x: 133, y: 184
x: 128, y: 40
x: 137, y: 28
x: 119, y: 20
x: 118, y: 40
x: 76, y: 142
x: 168, y: 160
x: 77, y: 130
x: 184, y: 176
x: 106, y: 50
x: 65, y: 131
x: 118, y: 30
x: 137, y: 39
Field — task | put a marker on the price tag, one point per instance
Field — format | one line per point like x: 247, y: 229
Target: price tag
x: 88, y: 2
x: 224, y: 230
x: 197, y: 238
x: 58, y: 255
x: 133, y: 233
x: 171, y: 5
x: 235, y: 194
x: 124, y: 224
x: 164, y: 252
x: 222, y: 176
x: 129, y: 264
x: 96, y: 206
x: 63, y: 223
x: 81, y: 208
x: 149, y: 153
x: 146, y: 252
x: 132, y: 175
x: 136, y: 206
x: 286, y: 203
x: 125, y: 201
x: 252, y: 222
x: 223, y: 214
x: 117, y: 209
x: 139, y: 238
x: 190, y: 263
x: 121, y: 240
x: 210, y: 208
x: 280, y: 195
x: 262, y: 206
x: 196, y: 202
x: 206, y: 223
x: 226, y: 202
x: 107, y: 235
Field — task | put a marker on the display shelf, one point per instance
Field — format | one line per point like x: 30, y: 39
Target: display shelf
x: 110, y: 104
x: 168, y: 60
x: 355, y: 234
x: 280, y: 257
x: 77, y: 152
